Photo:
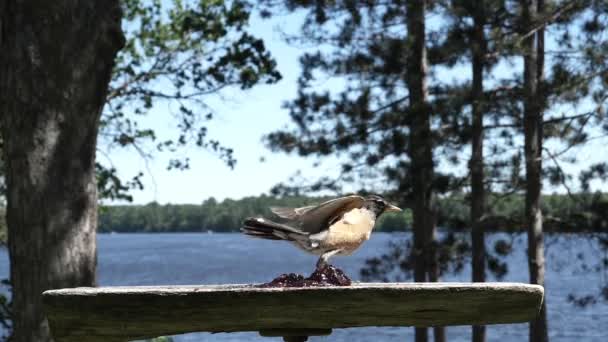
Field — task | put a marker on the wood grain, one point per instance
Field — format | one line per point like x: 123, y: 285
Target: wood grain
x: 126, y: 313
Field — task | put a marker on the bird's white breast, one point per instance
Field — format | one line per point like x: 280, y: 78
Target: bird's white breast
x: 350, y: 232
x: 359, y: 217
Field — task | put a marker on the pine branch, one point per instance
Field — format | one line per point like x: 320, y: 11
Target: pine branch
x: 546, y: 21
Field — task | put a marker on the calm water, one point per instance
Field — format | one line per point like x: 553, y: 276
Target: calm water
x: 159, y: 259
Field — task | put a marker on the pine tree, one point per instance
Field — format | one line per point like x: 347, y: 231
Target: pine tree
x: 533, y: 55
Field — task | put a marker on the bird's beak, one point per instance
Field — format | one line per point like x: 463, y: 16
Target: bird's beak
x: 393, y: 208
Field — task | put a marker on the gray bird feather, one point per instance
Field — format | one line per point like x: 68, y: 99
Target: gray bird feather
x: 314, y: 219
x: 290, y: 213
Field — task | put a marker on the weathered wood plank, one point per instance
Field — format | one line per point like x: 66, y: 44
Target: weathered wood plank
x: 123, y: 313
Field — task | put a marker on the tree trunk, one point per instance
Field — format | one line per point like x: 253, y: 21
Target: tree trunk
x: 431, y: 250
x: 420, y: 152
x: 476, y: 165
x: 57, y: 59
x: 533, y: 117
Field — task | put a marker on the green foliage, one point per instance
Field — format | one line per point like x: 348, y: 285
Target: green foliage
x: 5, y: 313
x: 178, y: 55
x: 3, y: 228
x: 579, y: 213
x: 366, y: 120
x: 225, y: 216
x: 582, y: 213
x: 371, y: 119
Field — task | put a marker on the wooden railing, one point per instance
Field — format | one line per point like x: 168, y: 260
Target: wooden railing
x: 128, y: 313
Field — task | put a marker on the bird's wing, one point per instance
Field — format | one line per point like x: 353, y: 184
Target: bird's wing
x: 291, y: 213
x: 320, y: 217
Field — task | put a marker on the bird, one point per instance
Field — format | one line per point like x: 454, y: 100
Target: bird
x: 336, y: 227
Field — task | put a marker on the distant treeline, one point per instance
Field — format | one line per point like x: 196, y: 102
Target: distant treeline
x: 225, y: 216
x: 581, y: 212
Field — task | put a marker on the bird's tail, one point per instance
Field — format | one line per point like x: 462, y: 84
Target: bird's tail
x: 266, y: 229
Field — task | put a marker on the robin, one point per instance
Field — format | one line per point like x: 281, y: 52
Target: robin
x: 335, y: 227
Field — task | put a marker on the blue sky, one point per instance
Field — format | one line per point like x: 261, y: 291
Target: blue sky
x: 242, y: 118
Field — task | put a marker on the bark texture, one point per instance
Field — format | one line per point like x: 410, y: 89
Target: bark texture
x: 533, y: 48
x: 478, y: 50
x: 57, y: 59
x: 426, y: 266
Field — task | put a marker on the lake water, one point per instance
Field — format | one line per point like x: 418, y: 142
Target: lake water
x: 161, y: 259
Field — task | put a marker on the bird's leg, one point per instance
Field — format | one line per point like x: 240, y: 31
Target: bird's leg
x: 322, y: 263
